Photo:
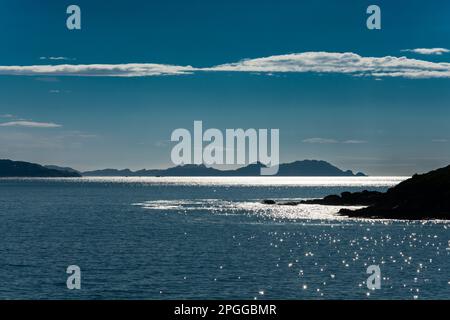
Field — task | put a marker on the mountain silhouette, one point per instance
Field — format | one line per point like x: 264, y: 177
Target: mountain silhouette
x: 297, y: 168
x: 9, y: 168
x: 313, y: 168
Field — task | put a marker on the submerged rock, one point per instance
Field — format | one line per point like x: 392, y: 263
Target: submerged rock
x: 280, y: 203
x: 364, y: 198
x: 288, y: 203
x: 268, y: 201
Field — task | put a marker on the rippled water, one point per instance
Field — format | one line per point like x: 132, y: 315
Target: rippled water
x: 205, y: 238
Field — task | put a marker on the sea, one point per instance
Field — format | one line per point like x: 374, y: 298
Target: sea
x: 210, y: 238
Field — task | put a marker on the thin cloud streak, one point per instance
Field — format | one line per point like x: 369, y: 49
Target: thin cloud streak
x: 30, y: 124
x: 354, y: 141
x: 428, y: 51
x: 56, y: 58
x: 331, y: 141
x: 320, y: 140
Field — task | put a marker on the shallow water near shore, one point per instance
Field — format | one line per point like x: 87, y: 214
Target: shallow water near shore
x: 210, y: 238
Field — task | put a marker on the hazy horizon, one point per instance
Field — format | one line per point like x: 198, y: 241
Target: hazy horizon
x: 218, y: 167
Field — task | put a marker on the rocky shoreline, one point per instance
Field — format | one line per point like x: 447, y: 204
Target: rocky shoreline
x: 422, y: 197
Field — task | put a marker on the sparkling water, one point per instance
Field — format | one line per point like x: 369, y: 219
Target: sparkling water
x: 210, y: 238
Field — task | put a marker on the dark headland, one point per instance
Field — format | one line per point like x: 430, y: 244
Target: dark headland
x: 424, y: 196
x: 9, y: 168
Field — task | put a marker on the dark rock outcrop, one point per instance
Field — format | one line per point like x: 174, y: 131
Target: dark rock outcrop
x: 268, y: 201
x: 363, y: 198
x: 424, y: 196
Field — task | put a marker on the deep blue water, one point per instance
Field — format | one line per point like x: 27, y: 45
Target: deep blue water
x: 137, y: 239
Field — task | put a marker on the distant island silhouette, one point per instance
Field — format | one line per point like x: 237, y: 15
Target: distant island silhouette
x: 424, y: 196
x: 298, y: 168
x: 309, y: 168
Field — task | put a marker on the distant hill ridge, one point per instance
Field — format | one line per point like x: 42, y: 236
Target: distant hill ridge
x: 61, y: 168
x: 297, y: 168
x: 311, y: 168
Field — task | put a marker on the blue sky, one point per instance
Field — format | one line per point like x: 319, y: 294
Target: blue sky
x: 361, y: 110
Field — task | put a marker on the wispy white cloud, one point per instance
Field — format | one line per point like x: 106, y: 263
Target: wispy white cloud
x: 162, y: 143
x: 78, y: 134
x: 320, y: 140
x: 328, y: 141
x: 6, y: 116
x: 440, y: 140
x: 112, y: 70
x: 30, y: 124
x: 428, y: 51
x: 314, y: 62
x: 16, y: 143
x: 47, y: 79
x: 56, y: 58
x: 354, y: 141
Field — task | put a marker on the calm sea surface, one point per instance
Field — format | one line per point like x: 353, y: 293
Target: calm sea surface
x: 209, y: 238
